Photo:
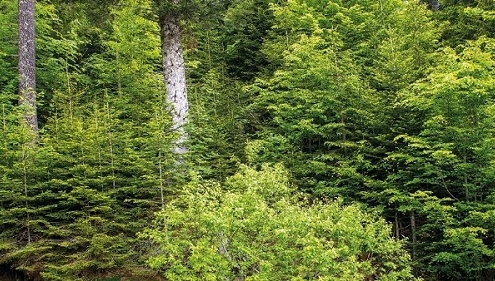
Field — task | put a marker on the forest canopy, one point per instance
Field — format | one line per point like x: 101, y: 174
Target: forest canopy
x: 247, y: 140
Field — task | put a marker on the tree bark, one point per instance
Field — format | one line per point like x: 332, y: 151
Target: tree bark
x: 174, y: 74
x: 396, y: 226
x: 413, y: 236
x: 27, y: 61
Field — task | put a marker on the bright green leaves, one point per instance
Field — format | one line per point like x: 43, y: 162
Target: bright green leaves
x: 459, y: 129
x: 254, y: 228
x: 126, y: 73
x: 315, y: 99
x: 447, y: 155
x: 406, y: 40
x: 361, y: 106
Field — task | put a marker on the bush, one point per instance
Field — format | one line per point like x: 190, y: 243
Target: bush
x: 256, y: 227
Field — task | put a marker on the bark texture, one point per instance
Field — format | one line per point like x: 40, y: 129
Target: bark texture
x: 27, y: 59
x: 175, y: 74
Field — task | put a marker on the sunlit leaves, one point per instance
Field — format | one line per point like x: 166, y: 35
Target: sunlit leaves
x: 253, y: 228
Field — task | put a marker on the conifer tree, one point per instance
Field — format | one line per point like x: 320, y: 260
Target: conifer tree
x: 27, y: 62
x: 8, y: 47
x: 174, y: 72
x: 439, y: 168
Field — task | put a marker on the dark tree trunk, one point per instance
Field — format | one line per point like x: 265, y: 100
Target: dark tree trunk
x: 27, y: 76
x: 174, y: 74
x: 433, y: 5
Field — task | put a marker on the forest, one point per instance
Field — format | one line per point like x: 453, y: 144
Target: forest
x: 247, y: 140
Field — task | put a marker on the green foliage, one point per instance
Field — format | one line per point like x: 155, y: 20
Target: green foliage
x: 468, y: 20
x: 449, y: 157
x: 316, y: 101
x: 74, y: 202
x: 404, y: 48
x: 124, y: 73
x: 360, y: 106
x: 458, y: 129
x: 217, y: 117
x: 255, y: 227
x: 383, y: 103
x: 246, y: 25
x: 8, y: 50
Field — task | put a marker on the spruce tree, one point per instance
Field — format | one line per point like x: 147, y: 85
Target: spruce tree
x: 27, y: 62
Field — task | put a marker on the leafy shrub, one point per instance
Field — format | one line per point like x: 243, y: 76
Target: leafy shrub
x: 256, y: 227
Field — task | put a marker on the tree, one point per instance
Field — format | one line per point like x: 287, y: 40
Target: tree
x: 245, y: 28
x: 27, y: 62
x: 467, y: 20
x: 93, y: 183
x: 445, y: 155
x: 315, y: 111
x: 8, y: 48
x: 173, y: 67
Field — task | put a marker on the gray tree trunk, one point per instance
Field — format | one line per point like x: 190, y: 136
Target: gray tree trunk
x: 175, y: 74
x: 27, y: 59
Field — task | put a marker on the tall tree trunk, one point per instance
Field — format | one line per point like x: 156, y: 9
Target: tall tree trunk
x: 174, y: 73
x: 27, y: 59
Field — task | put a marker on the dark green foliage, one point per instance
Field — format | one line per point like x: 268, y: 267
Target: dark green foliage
x: 385, y: 103
x: 468, y: 20
x: 72, y: 204
x: 217, y: 118
x: 8, y: 50
x: 246, y: 25
x: 89, y: 191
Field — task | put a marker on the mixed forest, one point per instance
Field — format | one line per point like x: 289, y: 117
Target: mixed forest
x: 247, y: 140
